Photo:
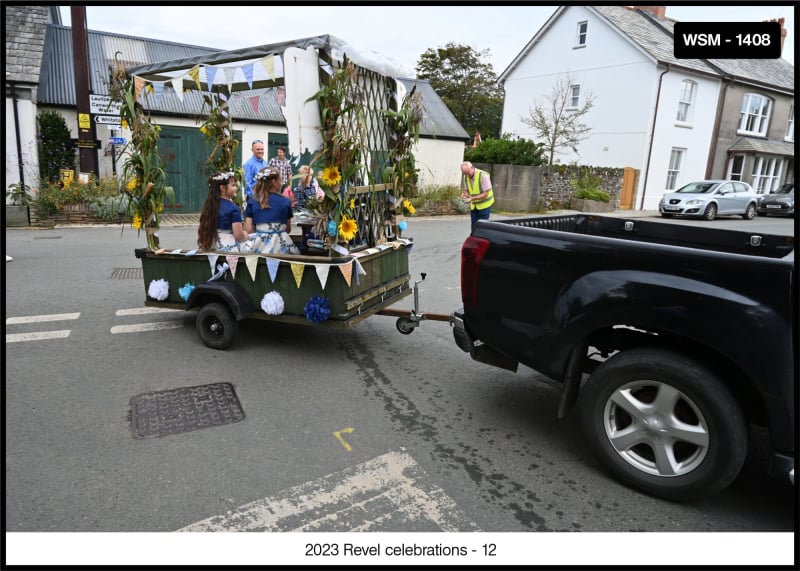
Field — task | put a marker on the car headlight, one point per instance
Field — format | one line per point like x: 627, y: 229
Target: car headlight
x: 695, y: 201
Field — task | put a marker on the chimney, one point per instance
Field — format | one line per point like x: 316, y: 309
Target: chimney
x: 659, y: 12
x: 783, y: 30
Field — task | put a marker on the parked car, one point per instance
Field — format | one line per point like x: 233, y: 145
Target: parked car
x: 708, y: 198
x: 779, y: 202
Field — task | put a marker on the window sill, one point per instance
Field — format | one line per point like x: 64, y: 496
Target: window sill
x: 579, y: 46
x: 684, y: 125
x: 751, y: 134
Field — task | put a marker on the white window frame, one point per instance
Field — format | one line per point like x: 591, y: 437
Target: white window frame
x: 674, y: 167
x: 574, y: 96
x: 735, y: 174
x: 686, y: 102
x: 754, y: 118
x: 581, y: 35
x: 766, y: 174
x: 790, y: 126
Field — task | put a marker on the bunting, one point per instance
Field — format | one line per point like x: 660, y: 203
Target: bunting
x: 269, y: 65
x: 347, y: 271
x: 252, y: 265
x: 247, y: 70
x: 254, y: 100
x: 158, y: 88
x: 281, y: 96
x: 212, y: 261
x: 297, y: 272
x: 230, y: 73
x: 138, y: 84
x: 272, y: 267
x: 211, y: 73
x: 194, y: 73
x: 322, y: 273
x: 177, y: 86
x: 233, y: 261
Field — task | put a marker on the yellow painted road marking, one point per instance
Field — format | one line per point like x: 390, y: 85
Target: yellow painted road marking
x: 338, y: 435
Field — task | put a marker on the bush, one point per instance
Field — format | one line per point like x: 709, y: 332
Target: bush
x: 56, y: 150
x: 508, y: 150
x: 435, y: 193
x: 111, y: 207
x: 53, y: 195
x: 587, y: 185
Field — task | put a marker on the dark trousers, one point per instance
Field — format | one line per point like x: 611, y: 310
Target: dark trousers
x: 475, y: 215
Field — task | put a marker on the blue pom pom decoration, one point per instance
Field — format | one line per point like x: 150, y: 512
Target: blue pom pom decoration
x: 402, y: 225
x: 317, y: 309
x: 331, y: 228
x: 185, y: 291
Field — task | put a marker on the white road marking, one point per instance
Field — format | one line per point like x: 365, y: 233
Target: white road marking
x: 146, y: 310
x: 137, y: 327
x: 41, y: 318
x: 388, y: 493
x: 36, y: 336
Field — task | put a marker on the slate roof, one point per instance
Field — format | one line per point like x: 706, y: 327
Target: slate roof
x: 438, y: 121
x: 25, y: 37
x: 766, y: 146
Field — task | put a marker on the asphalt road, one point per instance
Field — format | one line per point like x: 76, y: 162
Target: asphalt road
x: 360, y: 429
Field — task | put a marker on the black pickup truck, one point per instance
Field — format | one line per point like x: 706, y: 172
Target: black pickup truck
x: 670, y: 339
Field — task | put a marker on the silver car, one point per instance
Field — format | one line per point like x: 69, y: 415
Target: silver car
x: 779, y: 202
x: 708, y: 198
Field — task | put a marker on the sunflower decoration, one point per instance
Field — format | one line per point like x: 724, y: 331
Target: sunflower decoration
x: 408, y: 207
x: 348, y: 228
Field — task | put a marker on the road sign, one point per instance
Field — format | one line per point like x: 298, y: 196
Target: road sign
x: 102, y: 105
x: 86, y: 143
x: 107, y: 119
x: 116, y: 140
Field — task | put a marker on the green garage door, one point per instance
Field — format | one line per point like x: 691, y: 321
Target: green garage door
x: 185, y: 152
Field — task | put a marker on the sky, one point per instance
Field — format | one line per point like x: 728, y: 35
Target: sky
x: 399, y: 33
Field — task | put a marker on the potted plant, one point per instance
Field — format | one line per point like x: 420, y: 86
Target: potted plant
x: 17, y: 210
x: 587, y: 196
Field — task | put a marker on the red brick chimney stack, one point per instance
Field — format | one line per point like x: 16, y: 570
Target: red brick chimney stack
x: 783, y: 30
x: 659, y: 12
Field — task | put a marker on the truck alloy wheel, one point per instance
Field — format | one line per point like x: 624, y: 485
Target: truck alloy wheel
x: 663, y: 423
x: 216, y: 325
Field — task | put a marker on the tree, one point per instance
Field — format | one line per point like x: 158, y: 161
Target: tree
x: 556, y: 121
x: 56, y: 150
x: 466, y: 84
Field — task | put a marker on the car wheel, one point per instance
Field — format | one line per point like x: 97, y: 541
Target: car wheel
x: 664, y: 424
x: 216, y: 326
x: 750, y: 213
x: 711, y: 212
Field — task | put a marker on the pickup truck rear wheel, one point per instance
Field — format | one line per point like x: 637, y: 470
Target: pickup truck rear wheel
x: 216, y: 325
x: 664, y: 424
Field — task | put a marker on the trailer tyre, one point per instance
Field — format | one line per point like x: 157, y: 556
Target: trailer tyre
x: 664, y: 424
x: 216, y: 325
x: 405, y: 325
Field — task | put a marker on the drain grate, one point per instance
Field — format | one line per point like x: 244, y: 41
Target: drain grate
x: 127, y: 274
x: 180, y: 410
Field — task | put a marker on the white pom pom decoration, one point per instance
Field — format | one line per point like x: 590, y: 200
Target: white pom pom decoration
x: 272, y: 303
x: 159, y: 289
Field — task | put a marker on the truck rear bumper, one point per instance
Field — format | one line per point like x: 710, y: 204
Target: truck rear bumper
x: 463, y: 340
x: 781, y: 467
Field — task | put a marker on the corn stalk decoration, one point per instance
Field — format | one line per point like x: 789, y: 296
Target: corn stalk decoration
x: 143, y: 175
x: 404, y: 131
x: 217, y: 128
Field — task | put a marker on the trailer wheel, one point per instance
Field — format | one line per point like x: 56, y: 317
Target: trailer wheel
x: 405, y: 325
x: 216, y: 325
x: 664, y: 424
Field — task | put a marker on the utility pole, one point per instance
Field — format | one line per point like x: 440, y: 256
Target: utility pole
x: 87, y: 132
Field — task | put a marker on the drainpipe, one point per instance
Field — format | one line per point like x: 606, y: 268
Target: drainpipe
x: 652, y: 136
x: 712, y: 150
x: 19, y: 143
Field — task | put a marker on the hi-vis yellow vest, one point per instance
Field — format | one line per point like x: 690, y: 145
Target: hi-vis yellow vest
x: 474, y: 189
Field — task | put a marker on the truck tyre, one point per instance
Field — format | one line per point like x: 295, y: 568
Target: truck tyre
x: 216, y: 325
x: 711, y: 212
x: 664, y: 424
x: 750, y: 213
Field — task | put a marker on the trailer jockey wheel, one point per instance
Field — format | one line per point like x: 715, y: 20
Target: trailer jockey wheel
x: 405, y: 325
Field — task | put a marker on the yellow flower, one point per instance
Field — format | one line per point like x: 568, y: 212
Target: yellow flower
x: 331, y: 176
x: 352, y: 204
x: 348, y: 228
x: 132, y: 184
x: 137, y: 221
x: 410, y: 207
x: 204, y: 130
x: 124, y: 124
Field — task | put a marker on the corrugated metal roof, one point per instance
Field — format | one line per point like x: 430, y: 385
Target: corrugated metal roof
x: 57, y: 81
x: 765, y: 146
x: 438, y: 121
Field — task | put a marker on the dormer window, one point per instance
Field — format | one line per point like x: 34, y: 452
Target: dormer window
x: 580, y: 34
x: 754, y: 118
x: 686, y: 102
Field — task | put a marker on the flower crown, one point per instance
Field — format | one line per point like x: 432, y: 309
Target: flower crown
x: 266, y: 173
x: 223, y: 176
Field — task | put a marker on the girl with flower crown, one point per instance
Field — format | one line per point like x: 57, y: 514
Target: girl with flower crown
x: 269, y: 215
x: 221, y: 219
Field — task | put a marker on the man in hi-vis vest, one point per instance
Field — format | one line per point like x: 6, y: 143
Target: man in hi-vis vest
x: 476, y: 190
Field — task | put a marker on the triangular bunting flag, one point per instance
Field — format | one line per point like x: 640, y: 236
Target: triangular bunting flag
x: 247, y: 70
x: 252, y: 265
x: 138, y: 84
x: 194, y: 73
x: 233, y: 261
x: 297, y: 272
x: 272, y: 267
x: 229, y: 74
x: 359, y: 271
x: 254, y: 103
x: 211, y: 73
x: 322, y: 273
x: 212, y: 261
x: 281, y: 96
x: 159, y: 89
x: 177, y: 86
x: 347, y: 271
x: 269, y: 64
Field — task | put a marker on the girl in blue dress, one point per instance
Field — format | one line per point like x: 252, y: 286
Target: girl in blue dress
x: 269, y: 215
x: 221, y: 226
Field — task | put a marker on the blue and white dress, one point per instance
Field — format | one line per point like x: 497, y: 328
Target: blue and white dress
x: 229, y: 214
x: 271, y: 235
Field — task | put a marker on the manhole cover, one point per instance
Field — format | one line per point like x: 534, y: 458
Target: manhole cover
x: 127, y: 274
x: 180, y: 410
